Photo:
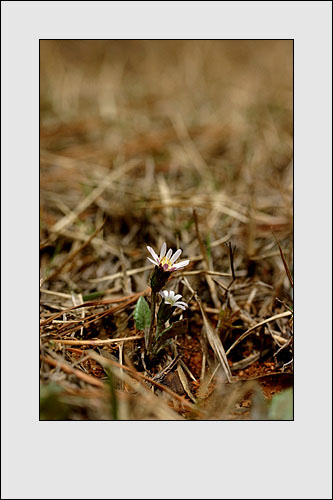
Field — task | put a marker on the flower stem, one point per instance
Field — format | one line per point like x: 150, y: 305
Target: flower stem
x: 152, y: 320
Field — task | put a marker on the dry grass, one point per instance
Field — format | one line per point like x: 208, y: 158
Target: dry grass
x: 188, y: 142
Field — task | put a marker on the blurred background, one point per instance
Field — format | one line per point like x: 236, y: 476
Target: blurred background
x: 210, y: 124
x: 140, y: 133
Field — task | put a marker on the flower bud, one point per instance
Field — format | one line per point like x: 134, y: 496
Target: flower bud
x: 159, y: 279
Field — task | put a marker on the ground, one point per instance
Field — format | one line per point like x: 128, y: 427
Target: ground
x: 187, y: 142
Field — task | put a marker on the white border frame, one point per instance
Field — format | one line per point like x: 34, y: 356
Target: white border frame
x: 286, y: 459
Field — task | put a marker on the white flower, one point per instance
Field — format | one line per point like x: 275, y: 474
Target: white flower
x: 166, y: 260
x: 172, y: 299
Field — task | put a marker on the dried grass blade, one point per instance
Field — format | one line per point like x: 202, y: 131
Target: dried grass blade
x: 130, y: 272
x: 88, y: 200
x: 250, y: 330
x: 162, y: 410
x: 216, y: 344
x: 213, y: 337
x: 72, y: 255
x: 129, y: 299
x: 184, y: 382
x: 95, y: 342
x: 210, y: 282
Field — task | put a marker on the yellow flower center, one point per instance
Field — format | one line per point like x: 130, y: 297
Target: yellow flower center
x: 164, y: 261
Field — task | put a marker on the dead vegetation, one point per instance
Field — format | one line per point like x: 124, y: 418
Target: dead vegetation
x: 188, y: 142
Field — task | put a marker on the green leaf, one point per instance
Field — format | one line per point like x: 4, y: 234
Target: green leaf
x: 51, y: 406
x: 282, y: 406
x: 177, y: 328
x: 142, y: 314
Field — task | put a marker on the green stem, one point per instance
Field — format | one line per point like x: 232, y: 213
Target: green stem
x: 152, y: 320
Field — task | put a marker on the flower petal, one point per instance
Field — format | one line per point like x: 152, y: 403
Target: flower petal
x: 181, y: 304
x: 177, y: 297
x: 175, y: 256
x: 153, y: 253
x: 168, y: 255
x: 152, y: 261
x: 181, y: 307
x: 181, y: 264
x: 172, y: 294
x: 163, y: 250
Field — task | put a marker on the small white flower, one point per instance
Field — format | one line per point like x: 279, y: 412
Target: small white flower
x: 172, y: 299
x: 166, y: 260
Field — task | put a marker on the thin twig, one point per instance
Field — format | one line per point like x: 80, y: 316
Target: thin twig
x: 69, y: 369
x: 231, y: 255
x: 206, y: 271
x: 284, y: 261
x: 95, y: 342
